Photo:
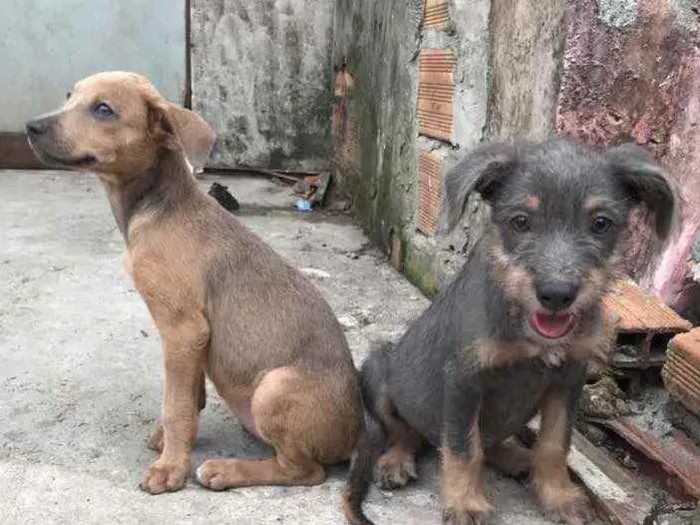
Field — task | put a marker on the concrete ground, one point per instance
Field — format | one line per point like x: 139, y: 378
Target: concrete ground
x: 80, y: 366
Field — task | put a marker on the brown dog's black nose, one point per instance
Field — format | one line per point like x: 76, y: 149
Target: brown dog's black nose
x: 557, y: 295
x: 35, y: 127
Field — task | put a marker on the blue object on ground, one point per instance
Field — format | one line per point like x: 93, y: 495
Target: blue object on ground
x: 303, y: 205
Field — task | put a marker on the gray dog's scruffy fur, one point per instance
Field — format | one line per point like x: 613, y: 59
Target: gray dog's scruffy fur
x: 510, y: 336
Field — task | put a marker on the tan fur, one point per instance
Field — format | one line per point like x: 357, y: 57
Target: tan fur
x: 223, y: 302
x: 532, y: 203
x: 550, y: 478
x: 397, y: 465
x: 518, y: 284
x: 461, y: 482
x: 492, y: 354
x: 592, y: 204
x: 516, y: 281
x: 510, y: 457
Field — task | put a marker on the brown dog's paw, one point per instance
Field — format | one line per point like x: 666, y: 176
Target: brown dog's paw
x: 155, y: 442
x: 164, y: 477
x: 212, y: 475
x: 395, y: 470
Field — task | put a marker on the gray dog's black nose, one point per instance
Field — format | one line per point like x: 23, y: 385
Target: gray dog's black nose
x: 35, y: 127
x: 557, y: 295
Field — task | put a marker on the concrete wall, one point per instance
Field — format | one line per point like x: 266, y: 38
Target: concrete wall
x: 261, y: 76
x: 602, y: 71
x: 47, y: 45
x: 374, y: 112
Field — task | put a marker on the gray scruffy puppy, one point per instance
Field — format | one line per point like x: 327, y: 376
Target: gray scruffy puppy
x: 510, y: 336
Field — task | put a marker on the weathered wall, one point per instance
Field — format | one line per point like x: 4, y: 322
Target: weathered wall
x: 374, y: 111
x: 452, y: 99
x: 526, y: 44
x: 632, y: 71
x: 261, y: 76
x: 46, y: 46
x: 602, y: 71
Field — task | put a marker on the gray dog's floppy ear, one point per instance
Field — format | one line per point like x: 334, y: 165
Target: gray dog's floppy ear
x: 645, y: 182
x: 482, y: 170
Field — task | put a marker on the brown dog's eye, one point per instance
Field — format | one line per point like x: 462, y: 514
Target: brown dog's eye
x: 102, y: 111
x: 68, y: 95
x: 520, y: 223
x: 601, y: 225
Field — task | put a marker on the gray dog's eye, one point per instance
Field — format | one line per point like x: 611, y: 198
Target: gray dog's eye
x: 601, y: 225
x: 520, y: 223
x: 103, y: 111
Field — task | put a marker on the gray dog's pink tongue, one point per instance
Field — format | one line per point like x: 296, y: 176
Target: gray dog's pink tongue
x: 552, y: 325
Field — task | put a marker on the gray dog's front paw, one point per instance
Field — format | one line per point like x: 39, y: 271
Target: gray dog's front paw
x: 394, y: 470
x: 453, y: 516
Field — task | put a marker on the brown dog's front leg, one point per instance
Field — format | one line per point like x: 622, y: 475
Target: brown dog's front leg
x: 559, y: 496
x: 462, y: 455
x: 156, y: 440
x: 183, y: 347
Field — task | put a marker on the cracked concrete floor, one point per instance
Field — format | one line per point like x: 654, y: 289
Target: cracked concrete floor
x: 80, y: 366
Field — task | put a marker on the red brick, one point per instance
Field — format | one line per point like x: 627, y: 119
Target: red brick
x: 430, y: 173
x: 436, y: 93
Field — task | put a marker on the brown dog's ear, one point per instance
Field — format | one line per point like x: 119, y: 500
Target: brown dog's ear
x: 161, y: 125
x: 177, y: 127
x: 482, y: 170
x: 196, y: 135
x: 645, y: 182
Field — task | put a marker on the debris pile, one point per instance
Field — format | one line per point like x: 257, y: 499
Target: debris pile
x: 313, y: 189
x: 224, y: 197
x: 637, y: 447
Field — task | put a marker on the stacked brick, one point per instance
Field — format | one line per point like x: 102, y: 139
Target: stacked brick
x: 681, y: 373
x: 435, y: 113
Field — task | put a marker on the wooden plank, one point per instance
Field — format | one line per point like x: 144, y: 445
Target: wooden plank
x: 675, y: 452
x: 618, y: 497
x: 15, y: 152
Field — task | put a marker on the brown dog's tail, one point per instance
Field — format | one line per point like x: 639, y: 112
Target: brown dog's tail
x: 362, y: 470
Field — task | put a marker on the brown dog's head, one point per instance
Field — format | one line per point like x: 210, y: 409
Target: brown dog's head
x: 115, y: 124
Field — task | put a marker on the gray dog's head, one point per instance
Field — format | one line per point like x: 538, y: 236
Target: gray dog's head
x: 558, y: 209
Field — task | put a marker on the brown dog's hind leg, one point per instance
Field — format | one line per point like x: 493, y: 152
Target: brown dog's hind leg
x: 511, y: 457
x: 155, y: 442
x: 288, y: 467
x: 560, y: 497
x: 290, y: 413
x: 397, y: 466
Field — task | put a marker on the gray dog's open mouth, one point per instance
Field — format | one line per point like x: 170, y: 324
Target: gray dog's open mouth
x: 552, y: 325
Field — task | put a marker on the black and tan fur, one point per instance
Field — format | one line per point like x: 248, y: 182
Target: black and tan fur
x: 484, y: 358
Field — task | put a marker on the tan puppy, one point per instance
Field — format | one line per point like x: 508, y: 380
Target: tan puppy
x: 225, y: 304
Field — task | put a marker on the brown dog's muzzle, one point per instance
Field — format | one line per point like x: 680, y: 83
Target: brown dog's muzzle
x: 36, y: 128
x: 42, y: 137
